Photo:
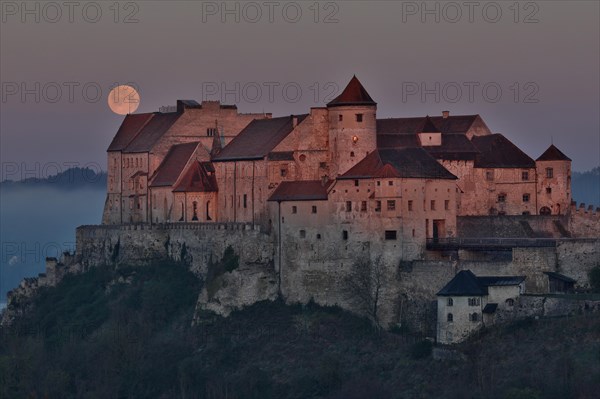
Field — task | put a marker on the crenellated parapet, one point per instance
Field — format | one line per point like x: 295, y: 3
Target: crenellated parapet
x: 581, y: 210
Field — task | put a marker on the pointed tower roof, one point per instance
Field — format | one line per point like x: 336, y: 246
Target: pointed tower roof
x: 553, y: 154
x: 428, y: 126
x: 353, y: 94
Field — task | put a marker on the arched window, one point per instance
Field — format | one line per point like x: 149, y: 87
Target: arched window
x: 545, y: 211
x: 195, y: 211
x: 474, y: 317
x: 510, y: 302
x: 208, y: 211
x: 450, y: 318
x: 450, y: 302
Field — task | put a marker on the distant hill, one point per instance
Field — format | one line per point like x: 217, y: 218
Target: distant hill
x: 586, y: 187
x: 69, y: 179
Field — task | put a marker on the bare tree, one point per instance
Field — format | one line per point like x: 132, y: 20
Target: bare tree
x: 363, y: 286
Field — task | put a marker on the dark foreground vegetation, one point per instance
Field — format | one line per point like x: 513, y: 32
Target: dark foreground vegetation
x: 127, y: 333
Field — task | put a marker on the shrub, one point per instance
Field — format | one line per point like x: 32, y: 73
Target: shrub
x: 421, y: 349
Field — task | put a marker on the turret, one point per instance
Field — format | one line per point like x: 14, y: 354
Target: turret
x: 553, y: 182
x: 352, y: 127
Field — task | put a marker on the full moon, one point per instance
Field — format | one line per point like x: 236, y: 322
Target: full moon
x: 123, y: 100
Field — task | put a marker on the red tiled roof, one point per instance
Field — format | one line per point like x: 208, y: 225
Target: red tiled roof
x: 306, y: 190
x: 131, y: 126
x: 171, y: 167
x: 198, y: 177
x: 496, y: 151
x: 152, y: 132
x: 553, y: 154
x: 257, y: 139
x: 353, y: 94
x: 404, y: 163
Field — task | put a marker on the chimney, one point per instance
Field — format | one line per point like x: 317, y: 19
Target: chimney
x: 445, y: 114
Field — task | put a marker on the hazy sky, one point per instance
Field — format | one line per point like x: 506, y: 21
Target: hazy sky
x: 531, y: 71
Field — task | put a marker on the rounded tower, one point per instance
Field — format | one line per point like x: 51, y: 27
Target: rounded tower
x: 352, y: 127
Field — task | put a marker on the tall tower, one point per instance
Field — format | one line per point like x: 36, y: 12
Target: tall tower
x: 352, y: 127
x: 553, y: 182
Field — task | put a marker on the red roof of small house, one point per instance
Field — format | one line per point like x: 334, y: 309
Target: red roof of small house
x: 353, y: 94
x: 172, y: 166
x: 496, y: 151
x: 305, y: 190
x: 198, y: 177
x: 553, y: 154
x: 130, y: 127
x: 258, y: 139
x: 152, y: 132
x: 401, y: 163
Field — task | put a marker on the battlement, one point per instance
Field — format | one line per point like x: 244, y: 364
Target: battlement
x: 581, y: 210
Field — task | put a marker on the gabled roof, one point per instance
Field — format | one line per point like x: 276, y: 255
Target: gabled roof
x: 172, y: 166
x: 152, y: 132
x: 454, y: 147
x: 428, y: 127
x: 198, y: 177
x: 560, y: 277
x: 353, y: 94
x: 130, y: 127
x: 553, y: 154
x: 404, y: 163
x: 259, y: 138
x: 465, y: 283
x: 306, y: 190
x: 499, y: 152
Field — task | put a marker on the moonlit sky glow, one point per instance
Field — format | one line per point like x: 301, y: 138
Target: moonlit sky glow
x: 56, y: 74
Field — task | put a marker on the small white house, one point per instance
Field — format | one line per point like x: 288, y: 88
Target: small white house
x: 467, y: 303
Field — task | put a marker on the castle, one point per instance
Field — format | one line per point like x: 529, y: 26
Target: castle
x: 336, y: 172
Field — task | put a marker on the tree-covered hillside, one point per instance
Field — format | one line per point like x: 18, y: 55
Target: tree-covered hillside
x: 586, y: 187
x: 127, y: 333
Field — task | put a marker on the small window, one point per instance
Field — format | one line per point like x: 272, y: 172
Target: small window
x: 345, y: 234
x: 294, y: 209
x: 473, y: 301
x: 548, y: 190
x: 501, y: 197
x: 525, y: 197
x: 245, y: 200
x: 450, y: 318
x: 489, y: 175
x: 524, y: 175
x: 510, y: 302
x: 526, y: 213
x: 410, y: 205
x: 302, y: 233
x: 391, y: 205
x: 283, y: 172
x: 211, y: 131
x: 377, y: 206
x: 363, y: 206
x: 549, y: 173
x: 356, y: 183
x: 390, y: 183
x: 447, y: 205
x: 359, y: 117
x: 340, y: 117
x: 318, y: 236
x: 450, y: 302
x: 352, y: 154
x: 302, y: 158
x: 474, y: 317
x: 390, y: 234
x: 323, y: 165
x: 433, y: 205
x: 314, y: 209
x: 379, y: 183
